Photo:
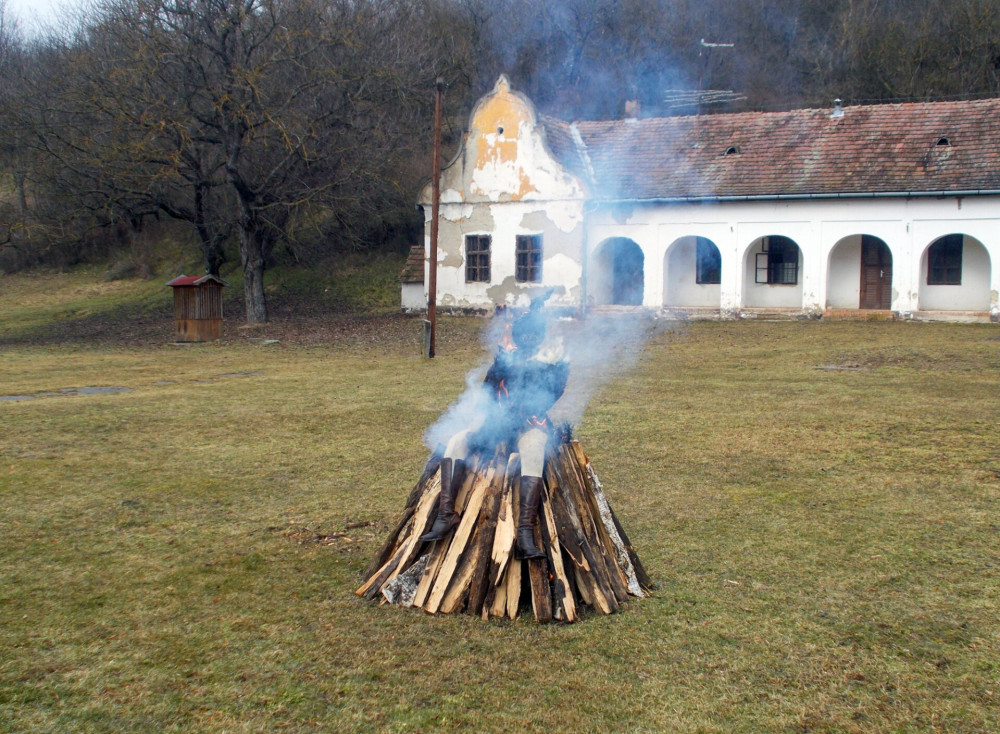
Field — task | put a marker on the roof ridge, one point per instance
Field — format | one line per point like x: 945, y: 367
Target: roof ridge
x: 797, y: 112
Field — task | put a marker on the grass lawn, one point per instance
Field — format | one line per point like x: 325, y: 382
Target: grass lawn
x: 182, y: 555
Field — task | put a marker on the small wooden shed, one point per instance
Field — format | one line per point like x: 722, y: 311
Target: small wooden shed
x: 197, y: 307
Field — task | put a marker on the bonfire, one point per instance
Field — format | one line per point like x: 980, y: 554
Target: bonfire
x: 509, y: 512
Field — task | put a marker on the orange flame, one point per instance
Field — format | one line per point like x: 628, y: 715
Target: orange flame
x: 507, y: 339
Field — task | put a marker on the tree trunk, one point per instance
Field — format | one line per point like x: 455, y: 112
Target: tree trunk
x: 211, y: 243
x: 214, y: 257
x: 253, y: 277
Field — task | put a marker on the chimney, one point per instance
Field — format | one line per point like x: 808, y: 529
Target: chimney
x: 838, y: 111
x: 632, y: 109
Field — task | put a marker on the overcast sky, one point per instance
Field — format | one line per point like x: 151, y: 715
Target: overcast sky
x: 33, y: 13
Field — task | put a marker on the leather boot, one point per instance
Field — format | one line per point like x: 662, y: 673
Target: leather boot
x: 452, y: 473
x: 530, y: 496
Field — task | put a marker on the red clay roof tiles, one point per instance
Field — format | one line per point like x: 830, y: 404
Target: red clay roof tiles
x: 871, y: 149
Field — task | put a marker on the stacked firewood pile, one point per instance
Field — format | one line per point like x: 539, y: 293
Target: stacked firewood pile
x: 589, y: 560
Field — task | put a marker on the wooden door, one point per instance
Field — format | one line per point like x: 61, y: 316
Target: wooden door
x: 876, y: 274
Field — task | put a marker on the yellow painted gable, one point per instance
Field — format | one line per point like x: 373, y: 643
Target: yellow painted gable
x: 497, y: 125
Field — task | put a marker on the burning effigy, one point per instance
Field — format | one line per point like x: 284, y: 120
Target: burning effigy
x: 509, y: 513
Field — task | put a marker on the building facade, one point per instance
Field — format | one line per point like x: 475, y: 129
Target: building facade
x: 890, y: 210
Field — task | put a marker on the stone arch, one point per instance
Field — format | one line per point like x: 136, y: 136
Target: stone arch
x: 772, y: 273
x: 618, y: 275
x: 860, y: 273
x: 692, y: 273
x: 954, y: 275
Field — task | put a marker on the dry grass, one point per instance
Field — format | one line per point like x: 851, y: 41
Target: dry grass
x: 182, y: 556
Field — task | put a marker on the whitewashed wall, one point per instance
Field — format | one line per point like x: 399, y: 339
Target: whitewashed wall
x: 828, y: 233
x: 843, y: 281
x: 971, y: 295
x: 413, y: 297
x: 680, y: 282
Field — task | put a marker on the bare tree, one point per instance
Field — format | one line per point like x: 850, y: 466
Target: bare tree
x: 10, y: 52
x: 304, y: 124
x: 239, y: 116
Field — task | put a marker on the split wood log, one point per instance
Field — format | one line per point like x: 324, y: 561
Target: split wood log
x: 434, y: 561
x: 589, y: 561
x: 430, y: 472
x: 488, y: 522
x: 513, y: 582
x: 599, y: 544
x: 628, y: 559
x: 562, y: 592
x: 404, y: 551
x: 457, y: 542
x: 541, y: 593
x: 573, y: 536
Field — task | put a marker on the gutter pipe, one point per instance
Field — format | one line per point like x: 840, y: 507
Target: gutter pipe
x: 786, y: 197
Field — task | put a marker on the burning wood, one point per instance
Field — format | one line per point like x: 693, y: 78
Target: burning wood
x: 510, y: 512
x: 587, y: 561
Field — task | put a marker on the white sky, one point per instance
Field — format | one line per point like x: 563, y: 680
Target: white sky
x: 35, y: 14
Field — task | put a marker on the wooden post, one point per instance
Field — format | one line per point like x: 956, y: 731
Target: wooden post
x: 435, y: 207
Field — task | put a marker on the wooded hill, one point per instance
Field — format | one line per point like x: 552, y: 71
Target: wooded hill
x: 302, y: 128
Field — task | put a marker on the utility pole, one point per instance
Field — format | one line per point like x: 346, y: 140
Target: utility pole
x: 435, y: 206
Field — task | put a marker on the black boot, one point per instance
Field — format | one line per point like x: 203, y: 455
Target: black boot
x: 530, y: 496
x: 452, y: 473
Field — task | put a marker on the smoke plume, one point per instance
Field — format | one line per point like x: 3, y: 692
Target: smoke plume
x: 598, y: 349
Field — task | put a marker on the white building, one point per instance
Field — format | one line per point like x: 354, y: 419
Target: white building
x: 878, y: 210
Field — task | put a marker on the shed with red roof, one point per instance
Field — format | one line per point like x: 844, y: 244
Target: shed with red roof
x: 197, y: 307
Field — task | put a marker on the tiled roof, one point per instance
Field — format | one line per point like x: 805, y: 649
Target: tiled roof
x: 413, y: 271
x: 891, y: 148
x: 189, y: 280
x: 567, y: 146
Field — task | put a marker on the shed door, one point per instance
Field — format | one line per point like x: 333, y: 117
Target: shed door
x: 876, y: 274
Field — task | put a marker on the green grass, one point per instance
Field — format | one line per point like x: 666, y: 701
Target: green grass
x: 355, y: 283
x: 32, y: 304
x: 826, y: 543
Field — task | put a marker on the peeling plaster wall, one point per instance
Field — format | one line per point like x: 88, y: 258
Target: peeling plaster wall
x: 561, y: 267
x: 505, y: 183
